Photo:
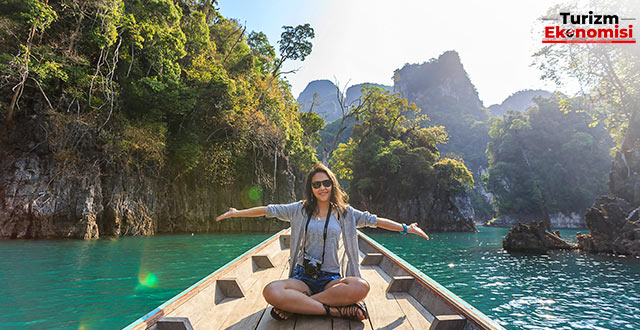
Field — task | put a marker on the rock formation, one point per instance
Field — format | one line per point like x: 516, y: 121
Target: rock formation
x: 43, y: 196
x: 614, y: 226
x: 613, y: 220
x: 533, y: 237
x: 433, y: 210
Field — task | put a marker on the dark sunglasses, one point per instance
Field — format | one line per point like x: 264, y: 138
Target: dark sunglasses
x: 325, y: 183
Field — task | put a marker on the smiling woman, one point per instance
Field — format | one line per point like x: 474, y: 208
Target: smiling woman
x: 317, y: 283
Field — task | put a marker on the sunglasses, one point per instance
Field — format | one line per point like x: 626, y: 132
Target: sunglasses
x: 325, y: 183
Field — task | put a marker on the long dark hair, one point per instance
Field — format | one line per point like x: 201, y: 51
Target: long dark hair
x: 310, y: 204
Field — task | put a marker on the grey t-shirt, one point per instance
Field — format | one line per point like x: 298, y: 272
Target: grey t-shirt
x: 353, y: 219
x: 313, y: 243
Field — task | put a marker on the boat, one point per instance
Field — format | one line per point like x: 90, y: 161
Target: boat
x: 401, y: 296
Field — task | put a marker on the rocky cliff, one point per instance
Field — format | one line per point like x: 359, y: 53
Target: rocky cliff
x: 441, y: 88
x: 43, y: 195
x: 323, y: 95
x: 613, y: 220
x: 433, y: 210
x: 614, y: 227
x: 534, y: 238
x: 518, y: 101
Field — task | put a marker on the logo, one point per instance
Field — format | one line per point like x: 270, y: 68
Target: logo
x: 591, y: 28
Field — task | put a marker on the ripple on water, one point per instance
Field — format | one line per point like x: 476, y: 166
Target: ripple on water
x: 563, y: 290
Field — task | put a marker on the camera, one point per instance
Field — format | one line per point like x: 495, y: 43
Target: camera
x: 311, y: 265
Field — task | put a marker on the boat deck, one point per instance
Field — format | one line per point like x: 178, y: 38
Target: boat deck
x: 231, y: 298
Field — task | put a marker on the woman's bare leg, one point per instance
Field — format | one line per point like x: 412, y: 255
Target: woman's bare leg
x: 291, y: 295
x: 343, y: 292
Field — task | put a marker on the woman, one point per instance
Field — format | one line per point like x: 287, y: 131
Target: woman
x: 315, y: 286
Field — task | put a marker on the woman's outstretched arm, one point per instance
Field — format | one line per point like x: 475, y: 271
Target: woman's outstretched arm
x: 394, y: 226
x: 257, y: 211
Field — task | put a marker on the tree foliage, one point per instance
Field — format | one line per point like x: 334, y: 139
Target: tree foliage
x: 295, y: 43
x: 608, y: 74
x: 168, y: 84
x: 546, y: 152
x: 441, y: 88
x: 391, y: 153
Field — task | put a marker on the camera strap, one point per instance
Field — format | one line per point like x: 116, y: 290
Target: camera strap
x: 324, y: 234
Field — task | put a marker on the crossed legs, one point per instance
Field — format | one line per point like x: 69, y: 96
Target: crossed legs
x: 291, y: 295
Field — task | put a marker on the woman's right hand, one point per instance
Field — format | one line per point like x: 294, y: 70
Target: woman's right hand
x: 228, y: 214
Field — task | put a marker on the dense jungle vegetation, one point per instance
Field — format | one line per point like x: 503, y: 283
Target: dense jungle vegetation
x: 547, y: 153
x: 168, y: 85
x: 392, y: 153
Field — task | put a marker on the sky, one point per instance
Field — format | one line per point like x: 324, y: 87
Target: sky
x: 359, y: 41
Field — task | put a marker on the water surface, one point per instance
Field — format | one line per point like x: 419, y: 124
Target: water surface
x: 107, y: 284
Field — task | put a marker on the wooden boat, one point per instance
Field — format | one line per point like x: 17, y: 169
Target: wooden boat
x: 401, y: 296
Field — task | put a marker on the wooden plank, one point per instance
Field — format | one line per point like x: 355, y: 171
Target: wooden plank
x: 383, y: 308
x: 401, y: 267
x: 448, y: 322
x: 361, y: 325
x: 400, y: 284
x: 417, y: 315
x: 233, y: 310
x: 308, y: 322
x: 285, y: 241
x: 266, y: 322
x: 228, y: 287
x: 372, y: 259
x: 261, y: 261
x: 173, y: 323
x: 341, y: 324
x: 203, y: 303
x: 197, y: 306
x: 246, y: 313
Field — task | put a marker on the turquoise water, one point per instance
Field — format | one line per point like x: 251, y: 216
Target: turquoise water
x: 107, y: 284
x: 104, y: 284
x: 558, y: 290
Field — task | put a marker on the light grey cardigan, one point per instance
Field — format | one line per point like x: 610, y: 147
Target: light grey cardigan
x: 349, y: 221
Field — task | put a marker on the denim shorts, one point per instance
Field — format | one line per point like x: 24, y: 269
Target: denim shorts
x: 315, y: 284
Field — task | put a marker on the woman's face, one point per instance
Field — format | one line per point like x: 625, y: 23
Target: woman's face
x: 319, y: 183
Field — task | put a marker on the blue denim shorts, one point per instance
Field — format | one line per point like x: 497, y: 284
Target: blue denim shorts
x: 315, y: 284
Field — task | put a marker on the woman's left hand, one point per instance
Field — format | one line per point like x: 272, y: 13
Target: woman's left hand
x: 414, y: 229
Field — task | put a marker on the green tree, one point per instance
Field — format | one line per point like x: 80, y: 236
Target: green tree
x: 295, y: 43
x: 391, y: 154
x: 608, y: 75
x: 171, y: 87
x: 546, y: 157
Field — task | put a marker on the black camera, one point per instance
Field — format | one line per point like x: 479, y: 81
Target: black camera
x: 311, y: 266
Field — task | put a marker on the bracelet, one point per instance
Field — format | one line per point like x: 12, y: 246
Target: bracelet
x: 404, y: 229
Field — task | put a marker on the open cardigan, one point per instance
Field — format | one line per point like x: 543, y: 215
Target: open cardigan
x: 350, y: 220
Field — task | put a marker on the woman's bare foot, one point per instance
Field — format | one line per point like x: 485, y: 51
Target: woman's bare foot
x: 349, y: 312
x: 283, y: 314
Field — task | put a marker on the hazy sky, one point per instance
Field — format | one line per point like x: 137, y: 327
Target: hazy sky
x: 365, y: 41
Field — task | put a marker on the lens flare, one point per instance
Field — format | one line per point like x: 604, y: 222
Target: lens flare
x: 255, y: 193
x: 147, y: 279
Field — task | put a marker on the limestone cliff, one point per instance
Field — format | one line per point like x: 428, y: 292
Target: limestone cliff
x: 613, y: 220
x: 433, y: 210
x: 43, y: 196
x: 614, y: 227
